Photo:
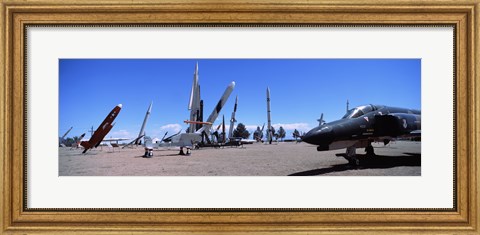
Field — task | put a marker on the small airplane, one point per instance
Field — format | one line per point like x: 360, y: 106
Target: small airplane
x: 189, y: 140
x: 105, y: 127
x: 194, y: 136
x: 362, y: 125
x: 141, y: 134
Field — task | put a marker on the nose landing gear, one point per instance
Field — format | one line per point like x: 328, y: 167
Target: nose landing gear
x: 148, y: 153
x: 352, y: 157
x: 183, y: 153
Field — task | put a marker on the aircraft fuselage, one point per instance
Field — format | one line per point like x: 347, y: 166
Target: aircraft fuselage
x: 364, y: 124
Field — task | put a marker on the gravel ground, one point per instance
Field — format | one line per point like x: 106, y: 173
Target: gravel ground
x: 279, y: 159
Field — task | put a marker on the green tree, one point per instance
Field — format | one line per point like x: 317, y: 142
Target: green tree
x: 281, y: 133
x: 241, y: 131
x: 258, y: 134
x: 69, y: 141
x: 296, y: 134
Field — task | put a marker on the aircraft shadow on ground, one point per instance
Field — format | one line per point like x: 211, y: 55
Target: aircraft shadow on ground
x: 377, y: 162
x: 164, y: 155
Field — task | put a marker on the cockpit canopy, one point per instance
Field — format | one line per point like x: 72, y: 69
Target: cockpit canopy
x: 360, y: 110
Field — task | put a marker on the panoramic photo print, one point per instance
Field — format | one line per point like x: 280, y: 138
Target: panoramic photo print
x: 239, y: 117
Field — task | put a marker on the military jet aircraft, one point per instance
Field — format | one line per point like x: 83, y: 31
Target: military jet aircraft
x: 362, y: 125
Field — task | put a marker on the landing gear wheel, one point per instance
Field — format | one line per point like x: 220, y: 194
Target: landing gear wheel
x: 148, y: 153
x: 369, y: 150
x: 354, y: 162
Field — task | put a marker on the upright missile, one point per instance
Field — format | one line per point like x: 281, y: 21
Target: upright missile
x: 194, y: 102
x: 233, y: 120
x: 347, y: 106
x: 213, y: 116
x: 223, y: 129
x: 200, y: 115
x: 269, y: 125
x: 142, y: 129
x: 194, y: 87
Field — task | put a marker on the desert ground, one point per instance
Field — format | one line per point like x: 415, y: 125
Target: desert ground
x: 400, y: 158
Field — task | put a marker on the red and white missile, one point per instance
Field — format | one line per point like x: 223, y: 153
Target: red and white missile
x: 102, y: 130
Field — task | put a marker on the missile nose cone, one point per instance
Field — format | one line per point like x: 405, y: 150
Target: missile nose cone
x: 150, y: 107
x: 119, y: 105
x: 232, y: 85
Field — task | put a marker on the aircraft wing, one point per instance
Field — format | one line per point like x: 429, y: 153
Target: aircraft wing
x: 133, y: 141
x: 114, y: 139
x: 168, y: 139
x: 416, y: 133
x: 397, y: 124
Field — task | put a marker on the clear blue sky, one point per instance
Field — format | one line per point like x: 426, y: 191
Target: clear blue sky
x: 301, y: 89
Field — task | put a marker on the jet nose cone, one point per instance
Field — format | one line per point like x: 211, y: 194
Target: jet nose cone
x: 319, y: 136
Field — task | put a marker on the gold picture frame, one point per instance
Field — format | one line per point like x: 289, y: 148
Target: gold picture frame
x: 16, y: 218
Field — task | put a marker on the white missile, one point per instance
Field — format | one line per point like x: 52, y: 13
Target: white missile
x: 66, y: 133
x: 142, y: 129
x: 233, y: 120
x: 194, y: 102
x: 62, y: 139
x: 213, y: 116
x: 269, y: 125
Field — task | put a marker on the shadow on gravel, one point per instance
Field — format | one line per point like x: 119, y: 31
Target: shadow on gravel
x: 164, y: 155
x: 377, y: 162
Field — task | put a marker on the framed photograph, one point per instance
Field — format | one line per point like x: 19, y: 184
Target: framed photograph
x: 104, y: 129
